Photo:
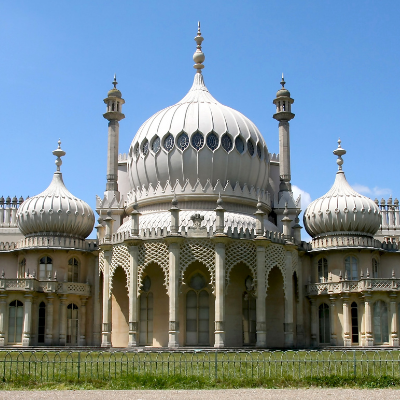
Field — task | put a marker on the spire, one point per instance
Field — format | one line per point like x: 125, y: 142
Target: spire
x: 59, y: 153
x: 198, y: 56
x: 339, y: 152
x: 283, y: 81
x: 115, y: 83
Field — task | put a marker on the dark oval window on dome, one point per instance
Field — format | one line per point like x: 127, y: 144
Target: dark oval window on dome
x: 169, y: 142
x: 259, y: 151
x: 183, y: 141
x: 212, y: 141
x: 239, y: 144
x: 226, y: 142
x: 137, y: 150
x: 250, y: 147
x: 197, y: 140
x: 145, y: 147
x: 156, y: 144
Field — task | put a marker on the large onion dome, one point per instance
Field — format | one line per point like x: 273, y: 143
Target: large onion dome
x: 196, y: 140
x: 342, y: 211
x: 55, y: 211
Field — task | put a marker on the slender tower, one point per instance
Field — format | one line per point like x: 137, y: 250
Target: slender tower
x: 284, y: 114
x: 114, y: 114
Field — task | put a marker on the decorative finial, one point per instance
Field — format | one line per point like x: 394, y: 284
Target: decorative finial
x: 198, y: 56
x: 283, y: 81
x: 339, y: 152
x: 219, y: 200
x: 59, y: 153
x: 115, y: 83
x: 174, y: 201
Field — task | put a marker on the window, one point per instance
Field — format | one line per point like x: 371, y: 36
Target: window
x: 250, y: 147
x: 73, y: 270
x: 354, y: 322
x: 249, y: 313
x: 156, y: 144
x: 324, y: 325
x: 323, y: 270
x: 259, y: 151
x: 374, y: 268
x: 42, y: 322
x: 169, y: 142
x: 239, y: 144
x: 351, y: 268
x: 45, y: 268
x: 21, y: 268
x: 197, y: 312
x: 226, y: 142
x: 146, y: 313
x: 145, y: 147
x: 15, y: 321
x: 72, y: 324
x: 381, y: 322
x: 197, y: 140
x: 212, y: 141
x: 183, y: 141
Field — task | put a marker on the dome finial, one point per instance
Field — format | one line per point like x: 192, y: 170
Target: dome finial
x: 198, y: 56
x: 283, y: 81
x: 59, y: 153
x: 339, y: 152
x: 115, y: 83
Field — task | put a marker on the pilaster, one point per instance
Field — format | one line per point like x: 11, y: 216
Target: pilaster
x: 314, y: 323
x: 288, y: 325
x: 82, y: 322
x: 220, y: 291
x: 369, y: 339
x: 3, y: 316
x: 261, y: 327
x: 106, y: 327
x: 393, y: 324
x: 346, y: 321
x: 133, y: 289
x: 49, y: 320
x: 26, y: 338
x: 63, y: 320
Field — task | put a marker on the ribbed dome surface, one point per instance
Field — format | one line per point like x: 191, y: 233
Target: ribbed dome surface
x: 55, y: 212
x: 198, y: 138
x: 342, y: 211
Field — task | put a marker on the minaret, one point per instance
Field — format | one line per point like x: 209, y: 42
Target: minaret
x: 284, y: 114
x: 114, y: 114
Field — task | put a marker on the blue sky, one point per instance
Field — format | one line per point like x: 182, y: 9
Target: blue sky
x: 340, y: 59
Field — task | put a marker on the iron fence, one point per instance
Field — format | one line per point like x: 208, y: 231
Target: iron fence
x: 58, y: 366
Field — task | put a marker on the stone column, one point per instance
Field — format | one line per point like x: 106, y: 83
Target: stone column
x: 261, y: 327
x: 369, y: 339
x: 219, y: 294
x: 314, y: 323
x: 393, y: 312
x: 174, y: 254
x: 333, y: 319
x: 133, y: 317
x: 346, y: 321
x: 299, y: 309
x: 106, y: 329
x: 49, y: 320
x: 96, y: 305
x: 63, y: 320
x: 34, y: 323
x: 3, y: 316
x: 288, y: 324
x: 26, y: 338
x: 82, y: 322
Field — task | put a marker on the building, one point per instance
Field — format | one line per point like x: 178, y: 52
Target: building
x: 199, y: 244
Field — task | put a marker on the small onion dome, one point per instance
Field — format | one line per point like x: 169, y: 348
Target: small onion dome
x: 342, y: 211
x: 55, y: 211
x: 114, y: 92
x: 283, y: 92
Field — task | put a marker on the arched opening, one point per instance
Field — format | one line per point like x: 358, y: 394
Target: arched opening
x: 324, y: 324
x: 322, y: 270
x: 240, y: 307
x: 42, y: 322
x: 198, y: 326
x: 381, y: 322
x: 45, y: 268
x: 275, y: 309
x: 72, y: 325
x: 73, y: 270
x: 156, y: 308
x: 21, y: 268
x: 15, y: 321
x: 120, y: 309
x: 354, y: 323
x: 351, y: 268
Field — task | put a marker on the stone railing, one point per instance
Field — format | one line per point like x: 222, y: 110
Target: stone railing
x: 8, y: 211
x: 49, y: 286
x: 345, y: 241
x: 366, y: 284
x: 50, y: 242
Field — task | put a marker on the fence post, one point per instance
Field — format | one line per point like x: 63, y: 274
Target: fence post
x: 354, y: 362
x: 79, y: 365
x: 216, y: 365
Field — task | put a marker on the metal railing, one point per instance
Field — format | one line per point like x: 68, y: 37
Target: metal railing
x: 57, y: 366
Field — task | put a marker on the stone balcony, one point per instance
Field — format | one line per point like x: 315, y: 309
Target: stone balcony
x: 346, y: 286
x: 48, y: 286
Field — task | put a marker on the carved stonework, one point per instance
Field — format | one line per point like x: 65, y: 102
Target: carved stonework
x: 197, y: 230
x: 174, y: 326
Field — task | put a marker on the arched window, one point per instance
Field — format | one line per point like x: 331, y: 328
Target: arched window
x: 15, y: 321
x: 72, y: 324
x: 42, y: 322
x: 146, y: 313
x: 374, y: 268
x: 21, y: 268
x: 45, y: 268
x: 197, y: 312
x: 249, y: 313
x: 354, y: 322
x: 322, y: 270
x: 324, y: 324
x: 351, y: 268
x: 73, y: 270
x: 381, y: 322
